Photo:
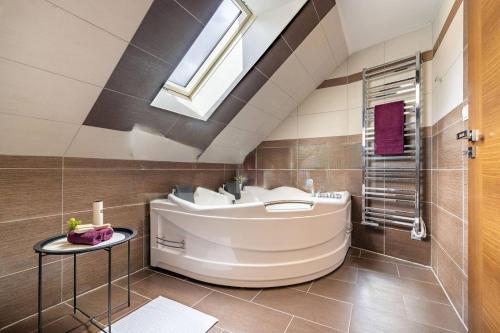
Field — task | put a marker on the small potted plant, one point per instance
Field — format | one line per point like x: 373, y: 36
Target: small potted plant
x: 72, y: 223
x: 241, y: 180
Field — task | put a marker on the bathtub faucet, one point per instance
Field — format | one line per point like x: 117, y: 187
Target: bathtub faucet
x: 309, y: 184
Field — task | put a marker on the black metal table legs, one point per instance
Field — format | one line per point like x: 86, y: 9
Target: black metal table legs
x: 128, y: 273
x: 109, y: 290
x: 74, y: 283
x: 92, y: 319
x: 40, y: 255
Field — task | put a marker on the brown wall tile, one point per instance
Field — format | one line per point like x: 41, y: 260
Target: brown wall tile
x: 277, y: 158
x: 274, y: 57
x: 120, y: 216
x: 399, y: 244
x: 99, y: 163
x: 452, y: 279
x: 29, y: 193
x: 320, y: 178
x: 450, y: 191
x: 114, y: 187
x: 275, y: 178
x: 449, y: 153
x: 32, y: 162
x: 303, y: 23
x: 356, y: 208
x: 18, y: 292
x: 323, y: 7
x: 17, y: 240
x: 448, y: 231
x: 313, y: 156
x: 367, y: 237
x: 427, y: 216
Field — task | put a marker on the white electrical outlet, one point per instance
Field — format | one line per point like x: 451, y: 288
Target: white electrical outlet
x: 465, y: 112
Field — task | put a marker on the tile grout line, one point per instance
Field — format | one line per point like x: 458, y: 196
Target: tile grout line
x: 403, y: 261
x: 133, y: 292
x: 450, y: 258
x: 449, y: 300
x: 350, y: 318
x: 200, y: 300
x: 289, y: 322
x: 154, y: 273
x: 427, y: 324
x: 258, y: 293
x: 247, y: 301
x: 335, y: 279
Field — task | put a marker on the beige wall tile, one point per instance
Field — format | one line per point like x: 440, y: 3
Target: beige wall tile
x: 31, y: 33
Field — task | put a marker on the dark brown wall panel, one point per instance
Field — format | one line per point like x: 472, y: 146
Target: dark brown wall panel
x: 164, y: 36
x: 167, y: 31
x: 139, y: 74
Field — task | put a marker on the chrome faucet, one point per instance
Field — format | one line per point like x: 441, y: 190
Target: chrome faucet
x: 309, y: 184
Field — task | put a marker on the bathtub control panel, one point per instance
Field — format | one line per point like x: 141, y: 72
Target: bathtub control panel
x: 333, y: 195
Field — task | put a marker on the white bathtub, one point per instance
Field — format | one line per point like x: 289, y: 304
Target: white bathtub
x: 256, y: 242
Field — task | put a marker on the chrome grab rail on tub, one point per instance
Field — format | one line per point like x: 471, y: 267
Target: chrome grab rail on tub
x: 162, y: 241
x: 279, y: 202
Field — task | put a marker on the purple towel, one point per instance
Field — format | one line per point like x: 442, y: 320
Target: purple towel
x: 106, y: 233
x: 389, y: 128
x: 93, y: 237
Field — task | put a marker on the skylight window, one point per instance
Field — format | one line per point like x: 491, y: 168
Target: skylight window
x: 224, y: 26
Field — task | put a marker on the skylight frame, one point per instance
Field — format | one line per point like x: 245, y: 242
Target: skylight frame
x: 231, y: 36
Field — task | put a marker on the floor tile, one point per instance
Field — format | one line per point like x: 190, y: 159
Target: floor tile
x: 345, y: 273
x: 381, y: 257
x: 423, y: 290
x: 302, y: 326
x: 394, y: 284
x: 365, y: 293
x: 417, y: 273
x: 319, y: 309
x: 169, y: 287
x: 238, y: 316
x: 134, y: 278
x: 301, y: 286
x: 73, y: 324
x: 243, y: 293
x: 96, y: 302
x: 353, y: 252
x: 372, y: 265
x: 432, y: 313
x: 369, y: 320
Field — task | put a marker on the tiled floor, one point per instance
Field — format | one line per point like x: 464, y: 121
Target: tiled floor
x: 368, y: 293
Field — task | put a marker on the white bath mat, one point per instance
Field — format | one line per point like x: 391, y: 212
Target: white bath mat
x: 163, y: 315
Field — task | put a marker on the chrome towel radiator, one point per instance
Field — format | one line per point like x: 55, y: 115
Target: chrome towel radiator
x: 391, y: 184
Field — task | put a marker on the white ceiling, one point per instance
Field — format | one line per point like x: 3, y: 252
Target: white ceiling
x: 368, y: 22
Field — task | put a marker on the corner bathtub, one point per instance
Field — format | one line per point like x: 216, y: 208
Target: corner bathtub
x: 268, y: 238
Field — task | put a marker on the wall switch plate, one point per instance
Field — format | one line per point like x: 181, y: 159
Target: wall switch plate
x: 465, y: 112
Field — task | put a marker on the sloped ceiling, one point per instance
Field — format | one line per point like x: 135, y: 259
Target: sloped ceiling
x: 368, y: 22
x: 78, y: 77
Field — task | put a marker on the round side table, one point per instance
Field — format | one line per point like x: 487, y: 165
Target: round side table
x: 58, y: 245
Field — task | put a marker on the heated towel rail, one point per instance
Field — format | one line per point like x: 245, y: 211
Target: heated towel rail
x: 392, y: 184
